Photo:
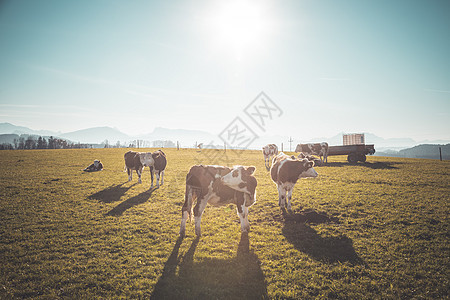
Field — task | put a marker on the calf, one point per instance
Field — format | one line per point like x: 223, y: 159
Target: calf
x: 218, y: 186
x: 285, y: 172
x: 319, y: 149
x: 269, y: 150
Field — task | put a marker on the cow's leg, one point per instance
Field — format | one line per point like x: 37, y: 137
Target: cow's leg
x: 151, y: 174
x: 130, y: 174
x: 186, y: 209
x: 198, y: 211
x: 242, y: 212
x: 157, y: 173
x: 139, y: 172
x: 289, y: 197
x: 281, y: 196
x: 162, y: 177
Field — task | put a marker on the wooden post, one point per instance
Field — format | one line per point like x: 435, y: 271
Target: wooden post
x: 225, y: 147
x: 440, y: 153
x: 282, y: 147
x: 178, y: 145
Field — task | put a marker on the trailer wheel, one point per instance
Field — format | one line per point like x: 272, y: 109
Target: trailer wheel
x: 352, y: 158
x: 362, y: 158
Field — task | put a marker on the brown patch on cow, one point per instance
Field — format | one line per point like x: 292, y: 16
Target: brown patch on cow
x: 235, y: 173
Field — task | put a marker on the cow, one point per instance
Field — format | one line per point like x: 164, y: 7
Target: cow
x: 269, y: 150
x: 156, y: 161
x: 317, y: 161
x: 285, y: 172
x: 319, y: 149
x: 158, y: 167
x: 218, y: 185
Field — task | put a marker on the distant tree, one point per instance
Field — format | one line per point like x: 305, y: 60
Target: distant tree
x: 51, y: 143
x: 30, y: 143
x: 21, y: 144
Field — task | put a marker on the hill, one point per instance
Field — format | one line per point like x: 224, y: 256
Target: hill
x: 97, y: 135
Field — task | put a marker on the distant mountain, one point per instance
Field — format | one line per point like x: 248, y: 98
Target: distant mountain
x: 419, y: 151
x: 8, y: 128
x: 97, y: 135
x: 186, y: 138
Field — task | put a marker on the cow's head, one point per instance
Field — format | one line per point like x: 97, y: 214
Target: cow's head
x: 146, y: 159
x: 307, y: 169
x: 240, y: 179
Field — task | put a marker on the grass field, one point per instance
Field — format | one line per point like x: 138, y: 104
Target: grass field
x: 70, y: 234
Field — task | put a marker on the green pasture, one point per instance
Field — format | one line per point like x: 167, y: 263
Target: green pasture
x: 65, y: 233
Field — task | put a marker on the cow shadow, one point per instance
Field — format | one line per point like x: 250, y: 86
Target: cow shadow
x: 238, y: 278
x: 372, y: 165
x: 328, y: 249
x: 133, y: 201
x: 112, y: 193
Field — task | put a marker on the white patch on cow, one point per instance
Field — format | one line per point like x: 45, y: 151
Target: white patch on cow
x: 234, y: 181
x: 146, y: 159
x: 310, y: 173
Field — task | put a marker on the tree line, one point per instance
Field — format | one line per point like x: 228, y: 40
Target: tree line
x: 33, y: 142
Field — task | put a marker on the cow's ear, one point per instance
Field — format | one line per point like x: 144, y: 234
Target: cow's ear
x: 250, y: 170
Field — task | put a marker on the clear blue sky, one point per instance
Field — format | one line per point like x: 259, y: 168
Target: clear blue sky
x: 331, y: 66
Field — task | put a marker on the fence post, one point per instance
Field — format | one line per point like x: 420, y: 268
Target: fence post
x: 282, y: 147
x: 440, y: 153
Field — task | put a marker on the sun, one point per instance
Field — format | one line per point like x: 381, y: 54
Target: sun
x: 239, y: 26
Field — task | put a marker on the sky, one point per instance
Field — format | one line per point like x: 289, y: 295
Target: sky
x: 329, y: 66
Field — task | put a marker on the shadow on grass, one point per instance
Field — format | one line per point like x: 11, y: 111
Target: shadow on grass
x: 375, y: 165
x: 328, y: 249
x: 136, y: 200
x: 112, y: 193
x: 237, y: 278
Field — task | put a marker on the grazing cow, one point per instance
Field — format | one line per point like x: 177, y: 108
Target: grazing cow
x: 158, y: 167
x: 317, y: 161
x: 269, y: 150
x: 218, y: 186
x: 285, y: 172
x: 319, y: 149
x: 156, y: 161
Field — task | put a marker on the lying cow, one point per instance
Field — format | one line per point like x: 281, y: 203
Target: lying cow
x: 218, y: 186
x: 319, y: 149
x: 156, y: 161
x: 285, y: 172
x: 269, y: 150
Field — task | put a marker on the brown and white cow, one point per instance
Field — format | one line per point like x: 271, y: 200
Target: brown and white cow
x: 218, y: 185
x: 156, y: 161
x: 285, y: 172
x: 158, y: 167
x: 319, y: 149
x: 269, y: 150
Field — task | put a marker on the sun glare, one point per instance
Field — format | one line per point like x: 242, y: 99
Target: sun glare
x: 239, y: 26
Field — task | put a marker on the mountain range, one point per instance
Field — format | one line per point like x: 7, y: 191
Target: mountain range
x: 189, y: 138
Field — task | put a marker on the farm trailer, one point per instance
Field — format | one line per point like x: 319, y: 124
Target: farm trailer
x: 354, y: 153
